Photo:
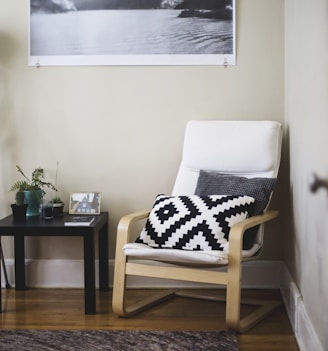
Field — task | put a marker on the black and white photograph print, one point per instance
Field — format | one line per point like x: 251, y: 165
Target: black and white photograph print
x: 132, y: 32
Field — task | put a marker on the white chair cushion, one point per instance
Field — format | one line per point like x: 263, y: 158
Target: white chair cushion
x: 244, y: 148
x: 214, y: 257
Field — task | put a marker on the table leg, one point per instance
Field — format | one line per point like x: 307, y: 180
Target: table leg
x: 19, y: 243
x: 0, y: 278
x: 89, y: 275
x: 103, y: 258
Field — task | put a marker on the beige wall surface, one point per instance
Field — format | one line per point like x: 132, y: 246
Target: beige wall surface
x: 307, y: 121
x: 119, y: 130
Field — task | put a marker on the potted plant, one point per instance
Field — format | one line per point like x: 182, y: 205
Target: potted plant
x: 19, y: 207
x: 58, y: 204
x: 33, y: 189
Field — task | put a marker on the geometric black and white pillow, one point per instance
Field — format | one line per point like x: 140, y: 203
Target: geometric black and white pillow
x: 194, y: 222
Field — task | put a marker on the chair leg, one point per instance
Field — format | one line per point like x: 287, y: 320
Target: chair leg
x: 234, y: 322
x: 145, y: 304
x: 233, y: 306
x: 233, y: 300
x: 119, y: 289
x: 265, y: 309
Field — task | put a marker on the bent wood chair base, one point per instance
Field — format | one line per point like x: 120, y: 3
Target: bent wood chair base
x: 231, y: 278
x: 241, y: 325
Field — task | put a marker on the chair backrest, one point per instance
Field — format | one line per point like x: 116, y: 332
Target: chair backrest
x: 245, y: 148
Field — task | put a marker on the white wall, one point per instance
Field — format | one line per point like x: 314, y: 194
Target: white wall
x: 306, y: 26
x: 119, y: 130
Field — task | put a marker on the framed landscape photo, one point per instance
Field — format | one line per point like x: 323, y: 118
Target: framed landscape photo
x: 84, y: 203
x: 132, y: 32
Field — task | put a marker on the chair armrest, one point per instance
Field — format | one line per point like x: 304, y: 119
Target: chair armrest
x: 237, y: 231
x: 254, y: 221
x: 125, y: 225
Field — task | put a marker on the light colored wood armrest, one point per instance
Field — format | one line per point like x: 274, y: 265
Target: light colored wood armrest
x: 128, y: 219
x: 125, y: 225
x: 237, y: 231
x: 255, y: 220
x: 234, y: 274
x: 123, y: 236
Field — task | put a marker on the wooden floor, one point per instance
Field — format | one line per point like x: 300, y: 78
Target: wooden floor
x: 64, y: 309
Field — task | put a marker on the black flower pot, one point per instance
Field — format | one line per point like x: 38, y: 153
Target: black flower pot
x: 58, y: 209
x: 19, y: 212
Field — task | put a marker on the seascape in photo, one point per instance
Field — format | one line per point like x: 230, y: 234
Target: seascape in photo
x: 138, y: 27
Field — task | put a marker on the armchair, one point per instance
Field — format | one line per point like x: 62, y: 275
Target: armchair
x: 229, y: 169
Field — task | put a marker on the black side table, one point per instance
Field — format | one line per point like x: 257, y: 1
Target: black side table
x: 35, y: 226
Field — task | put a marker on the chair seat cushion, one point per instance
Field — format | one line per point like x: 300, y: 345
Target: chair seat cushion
x: 194, y: 223
x: 210, y: 183
x: 206, y: 257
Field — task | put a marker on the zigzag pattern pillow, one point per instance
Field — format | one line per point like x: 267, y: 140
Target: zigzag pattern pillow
x: 194, y: 222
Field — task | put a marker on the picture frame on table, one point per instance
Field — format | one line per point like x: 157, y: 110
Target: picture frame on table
x: 84, y: 203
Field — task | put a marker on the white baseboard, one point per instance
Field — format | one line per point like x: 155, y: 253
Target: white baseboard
x: 305, y: 334
x: 256, y: 274
x: 50, y: 273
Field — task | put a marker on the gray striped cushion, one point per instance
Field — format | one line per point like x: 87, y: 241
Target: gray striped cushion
x: 213, y: 183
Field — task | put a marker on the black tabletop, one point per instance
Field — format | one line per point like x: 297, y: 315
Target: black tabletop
x: 9, y: 227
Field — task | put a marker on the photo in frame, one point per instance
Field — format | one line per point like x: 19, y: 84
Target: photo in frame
x: 85, y: 203
x: 131, y: 32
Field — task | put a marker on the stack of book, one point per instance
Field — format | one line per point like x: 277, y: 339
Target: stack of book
x: 79, y: 221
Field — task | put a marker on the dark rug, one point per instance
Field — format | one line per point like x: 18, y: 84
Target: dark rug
x: 46, y: 340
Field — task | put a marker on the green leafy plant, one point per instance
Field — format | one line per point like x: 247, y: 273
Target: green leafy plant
x: 58, y: 204
x: 36, y: 182
x: 57, y: 199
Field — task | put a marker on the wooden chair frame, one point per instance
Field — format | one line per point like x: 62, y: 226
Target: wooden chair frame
x: 231, y: 278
